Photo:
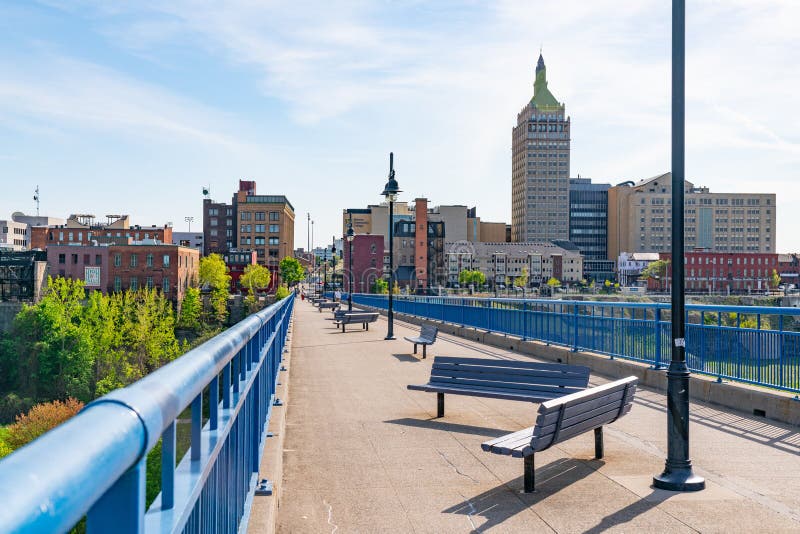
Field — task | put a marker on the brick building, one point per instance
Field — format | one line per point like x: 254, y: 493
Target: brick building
x: 368, y: 258
x: 261, y: 223
x: 83, y: 230
x: 727, y: 272
x: 114, y: 268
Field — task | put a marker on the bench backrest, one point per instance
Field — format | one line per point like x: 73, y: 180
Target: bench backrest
x: 566, y: 417
x: 357, y: 317
x: 509, y: 375
x: 428, y: 332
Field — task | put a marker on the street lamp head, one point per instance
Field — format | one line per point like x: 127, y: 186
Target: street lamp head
x: 350, y: 233
x: 391, y: 189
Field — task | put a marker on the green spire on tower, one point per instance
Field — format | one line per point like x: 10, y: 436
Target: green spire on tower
x: 543, y: 99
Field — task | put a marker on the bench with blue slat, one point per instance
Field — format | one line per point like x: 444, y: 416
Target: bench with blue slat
x: 502, y: 379
x: 564, y: 418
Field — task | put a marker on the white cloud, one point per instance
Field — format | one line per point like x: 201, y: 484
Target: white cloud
x: 441, y: 83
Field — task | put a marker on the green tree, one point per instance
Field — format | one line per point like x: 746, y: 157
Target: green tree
x: 380, y: 286
x: 282, y: 292
x: 214, y: 276
x: 292, y: 271
x: 656, y: 270
x: 475, y: 277
x: 775, y: 279
x: 522, y: 279
x: 191, y: 309
x: 554, y: 282
x: 255, y: 277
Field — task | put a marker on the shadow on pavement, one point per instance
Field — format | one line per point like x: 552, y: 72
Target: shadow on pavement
x: 630, y: 512
x: 435, y: 424
x: 407, y: 358
x: 506, y: 501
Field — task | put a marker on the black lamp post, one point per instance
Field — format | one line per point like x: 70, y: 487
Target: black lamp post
x: 350, y: 236
x: 390, y: 192
x: 333, y: 261
x: 678, y: 475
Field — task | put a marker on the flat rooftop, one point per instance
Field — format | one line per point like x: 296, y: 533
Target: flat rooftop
x: 361, y: 453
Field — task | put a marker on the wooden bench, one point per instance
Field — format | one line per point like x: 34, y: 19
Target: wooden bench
x: 357, y: 317
x: 502, y: 379
x: 427, y: 336
x: 328, y: 306
x: 316, y: 301
x: 564, y: 418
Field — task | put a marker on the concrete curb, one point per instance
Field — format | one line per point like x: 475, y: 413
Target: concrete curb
x: 752, y: 400
x: 264, y: 512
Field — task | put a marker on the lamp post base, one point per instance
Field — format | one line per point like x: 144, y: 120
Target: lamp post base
x: 680, y: 479
x: 389, y: 338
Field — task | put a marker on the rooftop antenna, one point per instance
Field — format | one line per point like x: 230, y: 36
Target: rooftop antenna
x: 36, y: 198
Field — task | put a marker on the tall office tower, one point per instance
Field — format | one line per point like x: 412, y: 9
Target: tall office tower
x: 540, y: 167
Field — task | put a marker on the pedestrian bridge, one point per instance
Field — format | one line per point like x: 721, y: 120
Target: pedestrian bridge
x: 361, y: 453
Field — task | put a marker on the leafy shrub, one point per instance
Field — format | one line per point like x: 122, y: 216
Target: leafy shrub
x: 39, y: 420
x: 282, y: 292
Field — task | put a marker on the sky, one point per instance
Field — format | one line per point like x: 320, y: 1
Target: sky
x: 132, y: 107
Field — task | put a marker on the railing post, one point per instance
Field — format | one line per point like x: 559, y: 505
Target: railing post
x: 121, y: 508
x: 213, y: 403
x: 168, y: 453
x: 657, y: 317
x: 197, y: 426
x: 575, y: 333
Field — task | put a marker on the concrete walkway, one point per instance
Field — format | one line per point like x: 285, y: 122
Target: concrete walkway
x: 364, y: 454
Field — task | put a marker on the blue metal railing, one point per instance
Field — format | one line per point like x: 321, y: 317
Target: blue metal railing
x: 94, y: 464
x: 753, y: 344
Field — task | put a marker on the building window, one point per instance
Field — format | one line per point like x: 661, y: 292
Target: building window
x: 246, y: 228
x: 214, y: 221
x: 246, y: 215
x: 274, y: 228
x: 62, y: 259
x: 117, y: 260
x: 244, y: 241
x: 117, y: 283
x: 149, y: 260
x: 70, y: 236
x: 213, y: 232
x: 260, y: 228
x: 166, y: 260
x: 98, y: 259
x: 260, y: 216
x: 165, y: 285
x: 149, y: 282
x: 260, y: 240
x: 134, y: 260
x: 274, y: 241
x: 74, y: 259
x: 274, y: 216
x: 134, y: 283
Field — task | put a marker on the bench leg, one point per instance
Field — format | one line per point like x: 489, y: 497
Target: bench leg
x: 366, y: 326
x: 415, y: 348
x: 424, y: 352
x: 598, y: 442
x: 440, y: 405
x: 528, y: 474
x: 343, y: 327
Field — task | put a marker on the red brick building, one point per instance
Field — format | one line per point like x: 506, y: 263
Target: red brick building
x: 726, y: 271
x: 82, y: 230
x: 367, y: 262
x: 112, y: 268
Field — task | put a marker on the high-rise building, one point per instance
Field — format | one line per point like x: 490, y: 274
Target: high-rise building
x: 640, y: 218
x: 540, y: 148
x: 264, y: 223
x: 588, y: 227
